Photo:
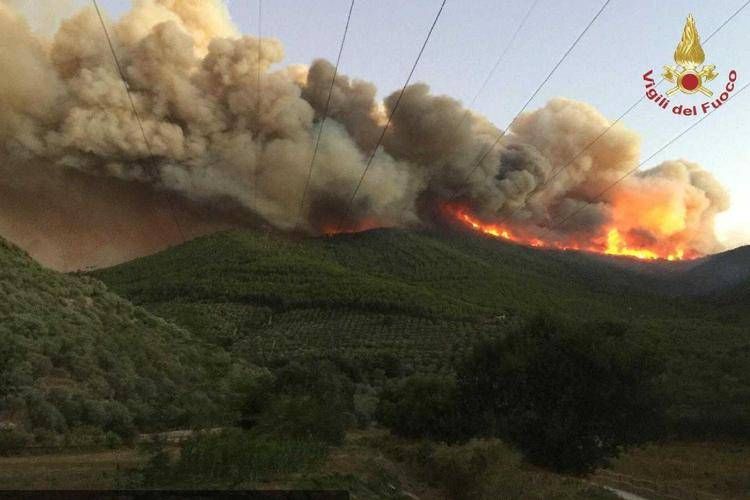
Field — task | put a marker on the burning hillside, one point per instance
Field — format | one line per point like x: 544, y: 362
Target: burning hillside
x: 611, y: 242
x: 80, y: 186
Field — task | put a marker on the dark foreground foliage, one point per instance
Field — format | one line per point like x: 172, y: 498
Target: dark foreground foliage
x: 568, y: 397
x: 422, y: 406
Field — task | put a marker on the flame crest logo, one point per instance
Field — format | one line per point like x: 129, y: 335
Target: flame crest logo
x: 688, y: 76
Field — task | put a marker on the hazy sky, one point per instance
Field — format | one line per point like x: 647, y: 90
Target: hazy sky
x: 605, y: 69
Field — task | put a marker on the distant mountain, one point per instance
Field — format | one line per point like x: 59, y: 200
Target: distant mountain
x: 74, y: 355
x: 712, y: 275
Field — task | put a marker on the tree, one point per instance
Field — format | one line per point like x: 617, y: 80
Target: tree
x: 570, y: 398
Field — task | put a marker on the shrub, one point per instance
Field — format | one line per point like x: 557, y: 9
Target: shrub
x: 462, y: 469
x: 229, y: 457
x: 308, y: 416
x: 112, y: 440
x: 158, y: 468
x: 568, y: 398
x: 421, y: 406
x: 119, y: 420
x: 365, y: 405
x: 483, y: 469
x: 82, y: 436
x: 311, y: 399
x: 13, y: 441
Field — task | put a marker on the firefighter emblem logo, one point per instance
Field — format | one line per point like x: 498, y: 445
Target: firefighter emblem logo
x: 688, y: 75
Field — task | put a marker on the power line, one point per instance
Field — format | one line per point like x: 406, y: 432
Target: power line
x: 727, y: 21
x: 631, y: 171
x: 486, y: 81
x: 325, y: 113
x: 390, y: 117
x: 481, y: 158
x: 497, y: 64
x: 608, y: 128
x: 149, y: 168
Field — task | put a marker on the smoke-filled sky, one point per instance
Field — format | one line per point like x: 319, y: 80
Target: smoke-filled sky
x: 69, y: 134
x: 604, y: 70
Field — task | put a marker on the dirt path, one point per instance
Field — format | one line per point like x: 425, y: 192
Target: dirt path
x: 625, y: 484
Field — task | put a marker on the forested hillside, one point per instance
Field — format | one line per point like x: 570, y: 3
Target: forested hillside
x: 77, y: 361
x: 411, y: 301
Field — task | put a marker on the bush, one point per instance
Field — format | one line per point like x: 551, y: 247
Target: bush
x: 238, y: 454
x: 365, y: 405
x: 312, y: 399
x: 484, y: 469
x: 119, y: 420
x: 306, y: 417
x: 421, y: 406
x: 461, y: 469
x: 83, y: 436
x: 568, y: 398
x: 13, y: 441
x: 230, y: 457
x: 112, y: 440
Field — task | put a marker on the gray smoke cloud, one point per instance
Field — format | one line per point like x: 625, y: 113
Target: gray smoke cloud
x: 81, y: 187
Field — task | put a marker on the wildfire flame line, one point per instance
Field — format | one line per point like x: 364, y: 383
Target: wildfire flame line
x: 613, y: 243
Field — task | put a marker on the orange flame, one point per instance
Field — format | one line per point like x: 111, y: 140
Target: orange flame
x: 611, y: 243
x: 616, y: 245
x: 351, y: 227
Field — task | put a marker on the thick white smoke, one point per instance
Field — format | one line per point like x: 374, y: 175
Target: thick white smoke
x: 80, y: 185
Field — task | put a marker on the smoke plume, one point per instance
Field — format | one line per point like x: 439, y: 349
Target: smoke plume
x: 80, y: 186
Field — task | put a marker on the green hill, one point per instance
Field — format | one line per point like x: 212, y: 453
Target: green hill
x: 385, y: 271
x: 395, y: 272
x: 413, y: 295
x: 411, y: 300
x: 77, y: 360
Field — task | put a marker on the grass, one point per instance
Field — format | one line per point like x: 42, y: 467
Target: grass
x: 66, y: 471
x: 686, y: 470
x: 373, y: 464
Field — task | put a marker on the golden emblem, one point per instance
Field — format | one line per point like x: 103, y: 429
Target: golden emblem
x: 687, y: 76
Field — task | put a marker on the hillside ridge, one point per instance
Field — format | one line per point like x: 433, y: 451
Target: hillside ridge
x: 74, y: 355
